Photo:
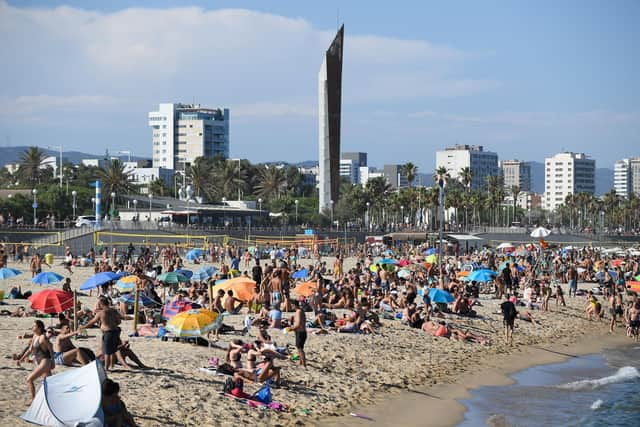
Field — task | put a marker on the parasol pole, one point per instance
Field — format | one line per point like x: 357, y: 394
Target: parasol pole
x: 210, y: 289
x: 135, y: 310
x: 75, y: 310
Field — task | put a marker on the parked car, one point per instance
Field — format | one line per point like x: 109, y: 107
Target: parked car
x: 85, y: 221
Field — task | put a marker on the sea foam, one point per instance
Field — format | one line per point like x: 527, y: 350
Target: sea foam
x: 625, y: 373
x: 597, y: 404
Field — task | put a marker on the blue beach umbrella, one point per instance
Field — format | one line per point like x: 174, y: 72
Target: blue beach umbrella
x: 440, y: 296
x: 142, y: 299
x: 193, y: 254
x: 200, y: 276
x: 483, y: 275
x: 8, y: 273
x: 209, y: 269
x: 47, y: 278
x: 431, y: 251
x: 300, y: 274
x: 99, y: 279
x: 185, y: 273
x: 388, y: 261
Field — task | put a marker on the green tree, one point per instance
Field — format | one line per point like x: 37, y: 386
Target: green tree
x: 410, y: 171
x: 515, y: 192
x: 115, y: 179
x: 31, y: 169
x: 272, y: 183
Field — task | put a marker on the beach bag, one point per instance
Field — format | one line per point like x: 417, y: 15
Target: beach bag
x: 264, y: 394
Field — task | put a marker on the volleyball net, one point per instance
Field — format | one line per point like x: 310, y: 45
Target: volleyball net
x: 32, y: 238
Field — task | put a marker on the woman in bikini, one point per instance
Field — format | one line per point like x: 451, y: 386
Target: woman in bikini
x: 42, y: 352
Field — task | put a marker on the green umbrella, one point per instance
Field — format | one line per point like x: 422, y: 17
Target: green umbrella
x: 172, y: 277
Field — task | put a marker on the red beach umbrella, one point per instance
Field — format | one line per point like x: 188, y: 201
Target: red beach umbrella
x: 51, y: 301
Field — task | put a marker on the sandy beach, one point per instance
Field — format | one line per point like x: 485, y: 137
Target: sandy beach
x: 386, y: 376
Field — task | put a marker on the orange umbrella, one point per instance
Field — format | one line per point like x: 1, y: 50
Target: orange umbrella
x: 634, y: 286
x: 243, y: 288
x: 305, y: 289
x: 464, y: 273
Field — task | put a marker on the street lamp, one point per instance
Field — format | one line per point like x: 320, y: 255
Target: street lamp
x: 367, y: 220
x: 113, y: 205
x: 35, y: 207
x: 74, y: 193
x: 93, y: 204
x: 296, y: 202
x: 189, y: 194
x: 135, y: 209
x: 150, y: 200
x: 402, y: 214
x: 331, y: 203
x: 260, y: 204
x: 579, y: 220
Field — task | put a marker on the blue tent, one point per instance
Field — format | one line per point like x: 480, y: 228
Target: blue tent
x: 99, y: 279
x: 440, y: 296
x: 46, y: 278
x: 193, y: 254
x: 8, y: 273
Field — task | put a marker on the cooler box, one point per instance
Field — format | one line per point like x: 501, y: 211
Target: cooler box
x: 48, y: 258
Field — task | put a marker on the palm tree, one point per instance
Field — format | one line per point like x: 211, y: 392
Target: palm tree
x: 272, y: 182
x: 515, y: 192
x: 228, y: 179
x: 114, y: 178
x: 159, y: 188
x: 441, y: 174
x: 31, y: 166
x: 466, y: 177
x: 495, y: 191
x: 410, y: 171
x: 201, y: 177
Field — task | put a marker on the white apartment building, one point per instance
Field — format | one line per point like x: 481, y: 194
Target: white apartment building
x: 622, y: 177
x: 145, y: 176
x: 482, y: 163
x: 516, y: 172
x: 565, y: 174
x: 350, y: 169
x: 183, y: 132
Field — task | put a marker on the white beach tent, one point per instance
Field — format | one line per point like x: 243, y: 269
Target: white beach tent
x: 70, y: 398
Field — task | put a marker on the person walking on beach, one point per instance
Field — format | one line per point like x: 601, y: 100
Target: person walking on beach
x: 42, y: 352
x: 572, y: 278
x: 300, y: 329
x: 110, y: 320
x: 509, y: 314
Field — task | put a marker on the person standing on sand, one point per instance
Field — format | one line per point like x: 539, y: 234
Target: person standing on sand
x: 572, y: 278
x: 509, y: 314
x: 110, y: 320
x: 300, y: 329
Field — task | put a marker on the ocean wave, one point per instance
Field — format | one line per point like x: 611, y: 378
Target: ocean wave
x: 597, y: 404
x: 624, y: 374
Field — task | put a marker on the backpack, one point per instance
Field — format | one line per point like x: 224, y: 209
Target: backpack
x: 229, y: 384
x: 264, y: 394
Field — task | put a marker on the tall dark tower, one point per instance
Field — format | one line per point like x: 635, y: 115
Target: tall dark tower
x: 329, y: 115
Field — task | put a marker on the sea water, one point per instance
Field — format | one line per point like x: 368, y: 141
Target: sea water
x: 594, y: 390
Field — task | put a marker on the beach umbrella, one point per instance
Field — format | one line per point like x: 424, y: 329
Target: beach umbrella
x: 193, y: 254
x: 192, y: 323
x: 51, y: 301
x: 431, y: 251
x: 46, y: 278
x: 464, y: 273
x: 403, y: 263
x: 637, y: 277
x: 440, y: 296
x: 8, y: 273
x: 404, y: 273
x: 200, y: 276
x: 634, y: 286
x: 388, y: 252
x: 209, y: 269
x: 432, y: 259
x: 186, y: 273
x: 540, y: 232
x: 505, y: 245
x: 174, y: 307
x: 612, y: 273
x: 482, y: 275
x: 300, y: 274
x: 388, y: 261
x: 172, y: 278
x: 305, y: 289
x: 142, y: 300
x: 99, y: 279
x: 126, y: 284
x: 243, y: 288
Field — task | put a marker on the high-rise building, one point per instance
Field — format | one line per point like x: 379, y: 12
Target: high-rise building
x: 350, y: 170
x: 183, y: 132
x: 622, y: 177
x: 482, y: 163
x: 634, y: 168
x: 516, y: 172
x: 329, y: 114
x: 565, y: 174
x: 360, y: 158
x: 395, y: 176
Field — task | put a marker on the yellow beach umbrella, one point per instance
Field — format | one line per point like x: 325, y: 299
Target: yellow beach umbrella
x: 192, y: 323
x: 127, y: 284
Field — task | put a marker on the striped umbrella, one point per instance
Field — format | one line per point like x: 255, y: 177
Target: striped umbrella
x: 174, y: 307
x: 126, y: 284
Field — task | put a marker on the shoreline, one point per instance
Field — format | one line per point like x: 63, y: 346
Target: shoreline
x: 445, y: 399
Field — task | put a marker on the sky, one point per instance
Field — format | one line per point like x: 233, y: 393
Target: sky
x: 524, y: 79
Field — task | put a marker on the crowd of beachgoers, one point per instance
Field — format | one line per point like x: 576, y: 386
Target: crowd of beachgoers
x: 284, y: 334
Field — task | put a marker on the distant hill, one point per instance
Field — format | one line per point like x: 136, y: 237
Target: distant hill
x: 14, y: 154
x: 604, y: 179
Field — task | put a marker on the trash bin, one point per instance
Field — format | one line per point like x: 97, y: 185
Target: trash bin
x: 48, y: 258
x: 1, y: 295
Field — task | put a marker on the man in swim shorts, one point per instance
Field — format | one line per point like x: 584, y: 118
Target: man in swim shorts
x: 110, y: 320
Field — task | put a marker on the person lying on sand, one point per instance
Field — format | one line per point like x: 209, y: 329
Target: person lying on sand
x: 441, y: 329
x: 124, y: 349
x: 263, y: 372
